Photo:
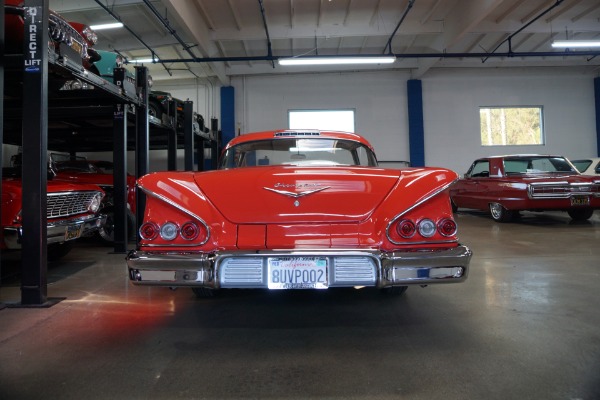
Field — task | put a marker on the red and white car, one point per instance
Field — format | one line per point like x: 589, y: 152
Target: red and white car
x: 72, y: 212
x: 96, y: 172
x: 298, y: 209
x: 506, y: 185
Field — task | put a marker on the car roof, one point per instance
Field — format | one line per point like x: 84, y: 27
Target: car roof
x: 297, y: 133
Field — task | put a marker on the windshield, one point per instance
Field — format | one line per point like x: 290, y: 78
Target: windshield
x: 299, y: 152
x: 536, y: 165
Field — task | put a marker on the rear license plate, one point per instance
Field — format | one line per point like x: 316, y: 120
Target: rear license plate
x: 73, y: 232
x: 297, y: 273
x: 580, y: 200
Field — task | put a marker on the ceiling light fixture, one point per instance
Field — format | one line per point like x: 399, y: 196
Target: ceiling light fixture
x: 145, y: 60
x: 336, y: 60
x: 575, y: 43
x: 107, y: 26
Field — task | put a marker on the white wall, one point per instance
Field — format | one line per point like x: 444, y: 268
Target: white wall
x: 451, y: 111
x: 378, y: 98
x: 451, y: 101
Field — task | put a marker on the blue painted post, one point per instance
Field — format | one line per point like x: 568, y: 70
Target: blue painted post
x: 416, y: 132
x: 227, y: 114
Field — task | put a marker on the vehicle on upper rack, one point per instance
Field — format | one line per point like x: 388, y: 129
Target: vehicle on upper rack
x: 163, y: 106
x: 588, y: 166
x: 298, y: 209
x: 506, y: 185
x: 70, y: 40
x: 81, y: 170
x: 72, y: 212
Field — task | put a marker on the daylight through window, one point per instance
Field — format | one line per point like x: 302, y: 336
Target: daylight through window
x: 335, y: 120
x: 511, y: 126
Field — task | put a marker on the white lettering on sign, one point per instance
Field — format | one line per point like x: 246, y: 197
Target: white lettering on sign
x: 32, y: 63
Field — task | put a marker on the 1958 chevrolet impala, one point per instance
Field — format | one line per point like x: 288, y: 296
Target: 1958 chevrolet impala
x: 298, y: 210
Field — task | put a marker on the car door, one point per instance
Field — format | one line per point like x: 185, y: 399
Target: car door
x: 469, y: 189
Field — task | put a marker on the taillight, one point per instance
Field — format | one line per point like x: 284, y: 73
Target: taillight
x: 149, y: 231
x: 169, y: 231
x: 406, y: 228
x: 446, y: 227
x: 426, y: 227
x: 190, y: 231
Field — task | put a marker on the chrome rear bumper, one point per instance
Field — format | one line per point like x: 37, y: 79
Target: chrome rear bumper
x: 346, y: 268
x: 57, y: 232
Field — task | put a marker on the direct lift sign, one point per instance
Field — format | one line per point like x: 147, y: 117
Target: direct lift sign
x: 33, y: 37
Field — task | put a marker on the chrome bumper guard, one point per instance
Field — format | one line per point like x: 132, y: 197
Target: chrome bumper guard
x: 58, y: 232
x: 346, y: 268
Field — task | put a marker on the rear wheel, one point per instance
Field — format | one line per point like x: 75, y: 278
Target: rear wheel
x: 155, y: 109
x: 501, y: 214
x: 107, y: 231
x: 202, y: 292
x: 394, y: 290
x: 581, y: 214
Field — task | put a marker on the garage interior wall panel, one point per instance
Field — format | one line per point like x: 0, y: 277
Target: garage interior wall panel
x: 378, y: 99
x: 451, y: 111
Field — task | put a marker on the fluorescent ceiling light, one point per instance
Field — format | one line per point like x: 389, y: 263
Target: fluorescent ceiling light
x: 107, y: 26
x: 335, y: 60
x: 576, y: 43
x: 145, y: 60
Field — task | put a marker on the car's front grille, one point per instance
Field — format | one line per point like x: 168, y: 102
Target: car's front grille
x: 65, y: 204
x: 562, y: 189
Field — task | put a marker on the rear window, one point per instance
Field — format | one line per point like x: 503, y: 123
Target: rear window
x: 299, y: 152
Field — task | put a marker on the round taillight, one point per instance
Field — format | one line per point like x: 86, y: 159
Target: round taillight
x: 406, y: 228
x: 426, y: 227
x: 189, y: 231
x: 149, y: 231
x: 446, y: 227
x: 169, y: 231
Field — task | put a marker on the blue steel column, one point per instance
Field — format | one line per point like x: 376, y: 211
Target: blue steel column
x: 597, y: 107
x: 34, y: 263
x: 416, y: 132
x: 227, y: 114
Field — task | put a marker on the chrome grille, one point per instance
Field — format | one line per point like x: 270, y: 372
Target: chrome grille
x: 242, y: 271
x: 65, y: 204
x: 356, y: 270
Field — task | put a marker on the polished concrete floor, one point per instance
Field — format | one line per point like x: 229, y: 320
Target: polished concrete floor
x: 525, y: 325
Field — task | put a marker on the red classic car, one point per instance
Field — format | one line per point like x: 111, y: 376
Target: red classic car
x: 505, y: 185
x: 298, y: 210
x: 82, y: 170
x: 65, y: 38
x: 72, y: 212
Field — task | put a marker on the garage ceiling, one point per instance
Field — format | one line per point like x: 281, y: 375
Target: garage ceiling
x: 224, y: 38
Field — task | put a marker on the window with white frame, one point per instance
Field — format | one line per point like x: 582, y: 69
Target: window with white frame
x: 511, y: 126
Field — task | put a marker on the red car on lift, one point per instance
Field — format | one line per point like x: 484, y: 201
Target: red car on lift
x: 298, y: 209
x: 72, y: 212
x: 72, y: 40
x: 82, y: 170
x: 506, y: 185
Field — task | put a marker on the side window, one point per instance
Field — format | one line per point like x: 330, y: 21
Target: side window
x: 597, y: 169
x: 480, y: 169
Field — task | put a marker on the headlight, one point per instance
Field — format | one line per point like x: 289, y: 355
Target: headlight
x: 90, y: 35
x: 94, y: 205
